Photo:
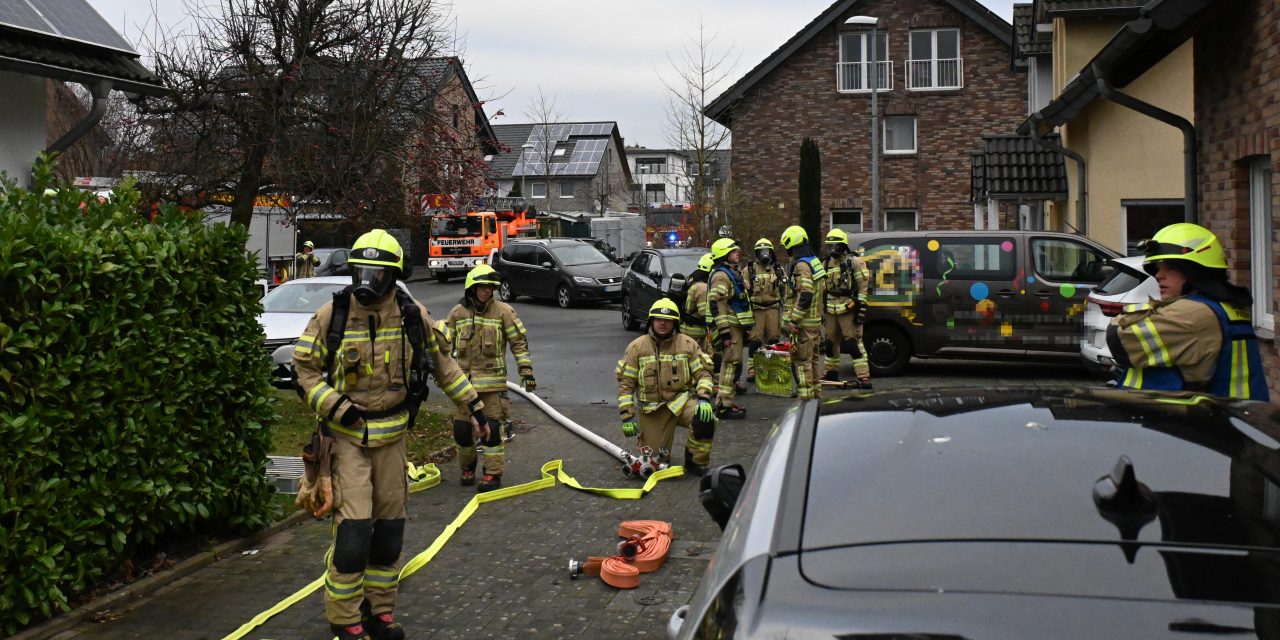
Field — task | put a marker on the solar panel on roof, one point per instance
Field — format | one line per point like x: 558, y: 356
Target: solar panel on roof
x: 67, y: 19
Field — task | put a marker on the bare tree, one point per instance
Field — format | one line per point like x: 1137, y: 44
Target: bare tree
x: 317, y: 98
x: 701, y: 72
x: 537, y: 160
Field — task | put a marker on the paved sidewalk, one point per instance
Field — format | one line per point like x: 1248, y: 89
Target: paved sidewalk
x: 504, y: 573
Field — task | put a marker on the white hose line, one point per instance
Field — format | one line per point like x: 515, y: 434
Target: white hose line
x: 587, y: 434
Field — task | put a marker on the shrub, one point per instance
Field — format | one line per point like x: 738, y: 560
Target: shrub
x: 133, y: 402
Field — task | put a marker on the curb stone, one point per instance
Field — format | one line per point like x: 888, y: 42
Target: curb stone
x: 123, y: 598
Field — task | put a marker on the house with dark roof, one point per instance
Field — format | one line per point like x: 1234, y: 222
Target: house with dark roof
x: 568, y: 167
x: 666, y: 178
x: 1229, y: 156
x: 73, y: 44
x: 1125, y: 174
x: 942, y: 80
x: 458, y: 132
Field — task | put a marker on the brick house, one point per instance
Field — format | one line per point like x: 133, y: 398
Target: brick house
x: 944, y: 80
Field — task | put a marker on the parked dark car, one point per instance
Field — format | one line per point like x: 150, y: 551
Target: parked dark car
x: 333, y: 262
x: 999, y: 514
x: 654, y: 274
x: 560, y: 269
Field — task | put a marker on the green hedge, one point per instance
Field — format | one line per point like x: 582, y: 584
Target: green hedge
x: 133, y: 404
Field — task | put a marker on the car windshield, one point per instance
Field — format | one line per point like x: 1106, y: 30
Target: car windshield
x: 578, y: 255
x: 455, y: 226
x: 300, y: 297
x: 682, y: 264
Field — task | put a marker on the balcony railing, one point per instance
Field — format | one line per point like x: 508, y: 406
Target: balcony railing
x: 935, y: 74
x: 853, y: 77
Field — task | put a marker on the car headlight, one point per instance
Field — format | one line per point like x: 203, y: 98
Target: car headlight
x: 582, y: 280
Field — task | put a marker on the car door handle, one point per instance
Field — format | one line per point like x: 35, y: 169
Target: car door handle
x: 1005, y: 293
x: 1044, y: 294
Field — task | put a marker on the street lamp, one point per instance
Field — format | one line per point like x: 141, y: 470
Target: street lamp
x: 874, y: 74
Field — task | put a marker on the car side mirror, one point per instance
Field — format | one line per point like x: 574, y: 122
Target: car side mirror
x: 655, y: 275
x: 719, y: 490
x: 339, y: 258
x: 546, y: 265
x: 677, y: 283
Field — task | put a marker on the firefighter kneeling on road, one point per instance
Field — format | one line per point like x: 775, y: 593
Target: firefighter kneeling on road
x: 1199, y: 335
x: 804, y: 313
x: 845, y: 309
x: 366, y: 393
x: 479, y: 329
x: 664, y: 380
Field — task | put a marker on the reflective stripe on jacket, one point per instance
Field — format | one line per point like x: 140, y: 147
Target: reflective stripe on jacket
x: 767, y: 285
x: 693, y: 320
x: 808, y: 280
x: 654, y: 372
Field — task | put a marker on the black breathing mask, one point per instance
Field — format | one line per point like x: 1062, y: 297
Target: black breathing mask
x: 372, y: 282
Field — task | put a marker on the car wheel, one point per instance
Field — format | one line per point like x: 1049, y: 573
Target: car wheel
x: 442, y: 278
x: 888, y: 350
x: 629, y: 321
x: 505, y: 292
x: 562, y: 297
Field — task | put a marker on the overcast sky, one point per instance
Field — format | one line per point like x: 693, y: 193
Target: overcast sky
x: 599, y: 59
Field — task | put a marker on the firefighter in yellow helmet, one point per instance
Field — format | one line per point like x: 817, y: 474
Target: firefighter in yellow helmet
x: 767, y: 285
x: 1199, y: 335
x: 365, y: 392
x: 306, y: 261
x: 804, y: 312
x: 845, y: 309
x: 731, y: 308
x: 694, y: 320
x: 663, y: 381
x: 481, y: 329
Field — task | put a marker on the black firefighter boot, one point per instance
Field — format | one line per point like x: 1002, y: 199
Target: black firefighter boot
x: 489, y: 483
x: 692, y: 468
x: 355, y: 631
x: 382, y: 626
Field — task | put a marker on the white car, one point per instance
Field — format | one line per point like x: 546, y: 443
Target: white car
x: 1128, y: 284
x: 286, y: 310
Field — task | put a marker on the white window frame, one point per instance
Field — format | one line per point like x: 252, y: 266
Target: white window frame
x: 1262, y: 250
x: 884, y: 136
x: 862, y: 70
x: 933, y: 61
x: 533, y: 190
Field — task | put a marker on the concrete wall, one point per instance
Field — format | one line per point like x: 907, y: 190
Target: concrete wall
x: 1130, y: 156
x: 799, y: 99
x: 23, y: 134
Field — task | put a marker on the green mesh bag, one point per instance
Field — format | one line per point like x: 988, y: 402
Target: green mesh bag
x: 773, y: 373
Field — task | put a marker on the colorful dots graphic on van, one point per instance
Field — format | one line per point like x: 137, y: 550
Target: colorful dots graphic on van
x: 1067, y: 290
x: 986, y: 309
x: 1044, y: 306
x: 951, y: 323
x: 1006, y: 329
x: 1006, y: 246
x: 979, y: 291
x: 933, y: 245
x: 1031, y: 279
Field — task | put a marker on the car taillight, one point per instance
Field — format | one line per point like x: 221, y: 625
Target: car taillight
x: 1109, y: 309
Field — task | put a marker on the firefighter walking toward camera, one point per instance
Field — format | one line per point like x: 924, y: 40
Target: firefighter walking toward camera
x: 306, y: 261
x: 731, y: 307
x: 845, y: 309
x: 361, y: 365
x: 663, y: 381
x: 480, y: 329
x: 1199, y: 335
x: 766, y: 284
x: 694, y: 320
x: 804, y: 312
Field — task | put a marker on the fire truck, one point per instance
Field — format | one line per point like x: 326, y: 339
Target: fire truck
x: 459, y: 241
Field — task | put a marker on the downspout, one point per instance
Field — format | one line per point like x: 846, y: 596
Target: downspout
x: 1082, y: 199
x: 1189, y: 142
x: 100, y: 91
